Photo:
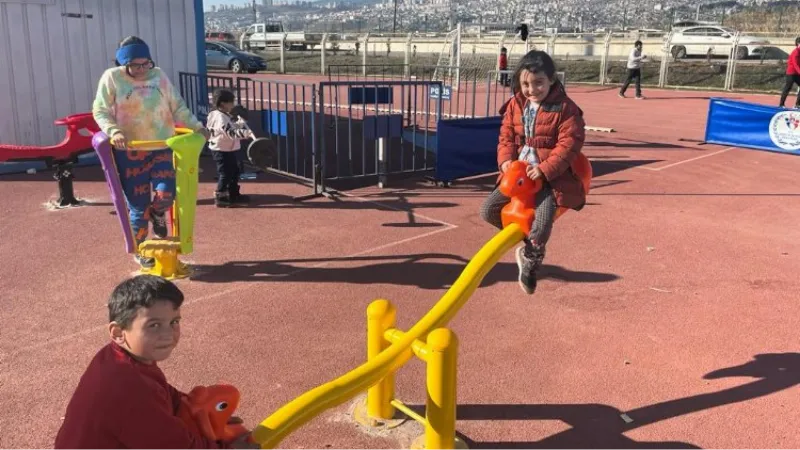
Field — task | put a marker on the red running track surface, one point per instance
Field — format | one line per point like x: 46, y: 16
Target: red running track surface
x: 672, y: 297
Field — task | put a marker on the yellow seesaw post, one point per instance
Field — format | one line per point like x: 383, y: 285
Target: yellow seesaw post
x: 299, y: 411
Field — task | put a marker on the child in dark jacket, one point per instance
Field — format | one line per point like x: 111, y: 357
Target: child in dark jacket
x: 544, y: 127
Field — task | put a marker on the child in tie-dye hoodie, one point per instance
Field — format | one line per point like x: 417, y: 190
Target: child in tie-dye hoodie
x: 136, y: 101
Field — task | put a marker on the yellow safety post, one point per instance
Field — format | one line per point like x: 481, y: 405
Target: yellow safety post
x: 440, y: 409
x: 381, y: 316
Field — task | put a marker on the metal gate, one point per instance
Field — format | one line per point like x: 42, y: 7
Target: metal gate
x: 377, y: 128
x: 284, y: 112
x: 196, y: 90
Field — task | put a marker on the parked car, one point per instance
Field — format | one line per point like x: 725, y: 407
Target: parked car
x: 221, y: 36
x: 263, y: 35
x: 714, y: 40
x: 225, y: 56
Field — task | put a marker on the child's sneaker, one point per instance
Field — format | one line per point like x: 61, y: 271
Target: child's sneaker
x: 527, y: 274
x: 159, y: 224
x: 236, y: 197
x: 240, y: 199
x: 222, y: 200
x: 621, y: 95
x: 146, y: 263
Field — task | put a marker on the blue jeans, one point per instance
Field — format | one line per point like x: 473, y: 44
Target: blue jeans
x: 138, y: 170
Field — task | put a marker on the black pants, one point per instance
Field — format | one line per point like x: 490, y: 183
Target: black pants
x: 504, y: 78
x: 227, y: 171
x: 791, y: 80
x: 633, y: 74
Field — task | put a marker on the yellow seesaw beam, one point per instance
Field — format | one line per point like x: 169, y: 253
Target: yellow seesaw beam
x: 296, y: 413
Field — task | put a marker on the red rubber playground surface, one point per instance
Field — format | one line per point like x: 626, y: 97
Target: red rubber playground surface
x: 666, y: 315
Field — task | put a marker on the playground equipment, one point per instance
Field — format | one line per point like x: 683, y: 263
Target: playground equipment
x: 516, y: 185
x: 207, y: 411
x: 61, y: 156
x: 388, y: 349
x: 186, y: 147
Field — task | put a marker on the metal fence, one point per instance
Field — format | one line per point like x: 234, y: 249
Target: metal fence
x: 377, y: 128
x: 463, y: 89
x: 285, y: 112
x: 196, y: 91
x: 337, y: 130
x: 595, y: 58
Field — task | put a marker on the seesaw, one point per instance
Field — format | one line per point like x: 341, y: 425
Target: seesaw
x: 186, y: 147
x: 390, y: 348
x: 215, y: 405
x: 60, y: 156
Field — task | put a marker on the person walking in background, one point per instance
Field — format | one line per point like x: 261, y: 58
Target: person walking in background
x: 792, y: 74
x: 634, y: 70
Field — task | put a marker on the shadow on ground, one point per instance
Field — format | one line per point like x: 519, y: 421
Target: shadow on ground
x: 602, y: 426
x: 425, y: 271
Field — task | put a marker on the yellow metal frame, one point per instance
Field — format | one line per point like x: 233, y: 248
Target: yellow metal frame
x: 440, y: 353
x: 384, y: 358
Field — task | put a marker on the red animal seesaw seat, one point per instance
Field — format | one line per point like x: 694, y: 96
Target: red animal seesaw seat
x: 207, y: 410
x: 73, y: 144
x: 517, y: 185
x: 59, y: 156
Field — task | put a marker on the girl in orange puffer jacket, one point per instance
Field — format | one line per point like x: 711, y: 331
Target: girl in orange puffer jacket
x: 544, y: 127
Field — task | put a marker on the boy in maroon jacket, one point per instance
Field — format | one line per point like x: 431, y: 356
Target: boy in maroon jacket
x: 792, y: 74
x: 123, y: 399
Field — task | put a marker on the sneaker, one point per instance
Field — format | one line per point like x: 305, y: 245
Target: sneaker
x: 527, y: 275
x: 146, y: 263
x: 159, y: 224
x: 639, y: 97
x: 222, y: 200
x: 621, y: 95
x: 236, y: 197
x: 240, y: 198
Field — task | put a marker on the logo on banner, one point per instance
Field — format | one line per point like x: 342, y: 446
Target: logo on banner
x: 784, y: 130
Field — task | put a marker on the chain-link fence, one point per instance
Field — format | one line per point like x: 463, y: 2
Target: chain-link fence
x: 706, y: 58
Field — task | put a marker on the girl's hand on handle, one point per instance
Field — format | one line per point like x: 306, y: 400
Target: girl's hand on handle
x: 534, y: 172
x: 118, y: 141
x: 504, y: 166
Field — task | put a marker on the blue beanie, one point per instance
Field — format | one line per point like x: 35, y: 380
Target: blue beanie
x: 130, y: 52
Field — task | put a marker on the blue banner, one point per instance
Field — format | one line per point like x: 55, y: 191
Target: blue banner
x: 750, y: 125
x: 467, y: 147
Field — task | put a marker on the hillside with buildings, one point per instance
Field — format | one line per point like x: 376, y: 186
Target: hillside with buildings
x: 441, y: 15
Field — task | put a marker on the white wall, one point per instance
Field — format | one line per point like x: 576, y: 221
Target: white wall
x: 51, y: 61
